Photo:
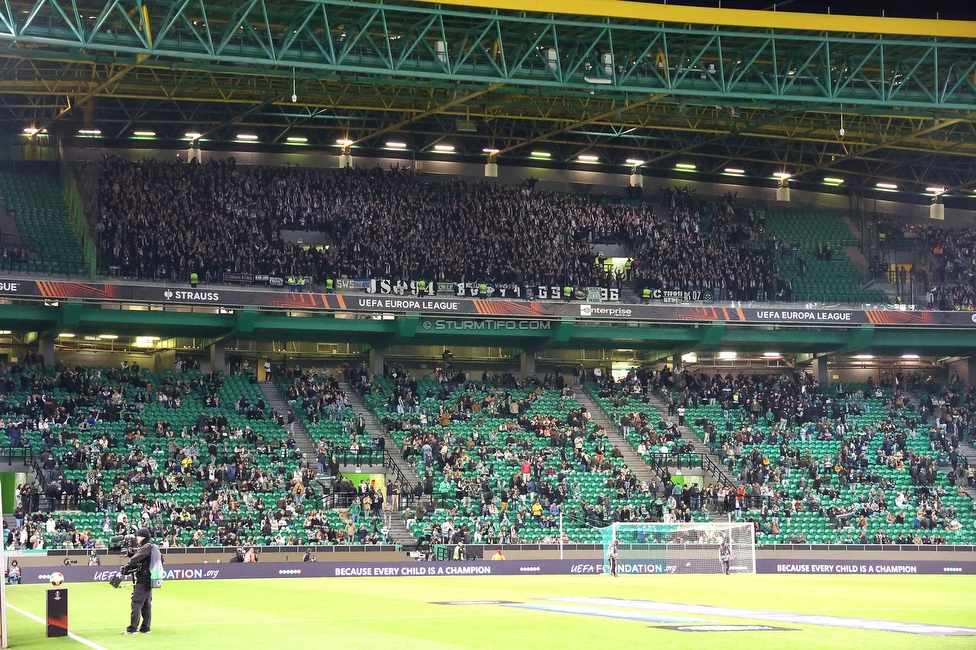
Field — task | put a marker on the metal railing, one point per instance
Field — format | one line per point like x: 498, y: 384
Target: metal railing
x: 361, y: 457
x: 11, y: 451
x: 391, y: 464
x: 658, y: 460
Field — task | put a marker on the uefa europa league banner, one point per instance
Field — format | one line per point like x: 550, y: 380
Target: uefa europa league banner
x: 576, y: 307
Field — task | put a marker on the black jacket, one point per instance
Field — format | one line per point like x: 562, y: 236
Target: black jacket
x: 138, y: 565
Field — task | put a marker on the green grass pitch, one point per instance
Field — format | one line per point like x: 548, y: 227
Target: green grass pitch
x: 395, y: 613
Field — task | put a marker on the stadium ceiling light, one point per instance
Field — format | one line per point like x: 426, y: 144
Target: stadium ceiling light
x: 541, y: 154
x: 772, y: 355
x: 297, y: 139
x: 864, y: 357
x: 781, y: 175
x: 66, y: 335
x: 192, y: 135
x: 33, y: 130
x: 588, y: 158
x: 936, y: 190
x: 911, y: 357
x: 91, y: 338
x: 835, y: 181
x: 144, y: 134
x: 734, y: 170
x: 687, y: 166
x: 600, y: 81
x: 108, y: 337
x: 634, y: 161
x: 887, y: 186
x: 89, y: 132
x: 5, y: 332
x: 728, y: 356
x: 344, y: 142
x: 491, y: 151
x: 689, y: 357
x: 446, y: 148
x: 397, y: 145
x: 246, y: 136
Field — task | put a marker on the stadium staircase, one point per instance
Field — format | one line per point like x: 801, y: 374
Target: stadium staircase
x: 8, y: 226
x: 399, y: 532
x: 627, y: 294
x: 969, y: 453
x: 375, y: 428
x: 965, y: 450
x: 277, y: 401
x: 721, y: 473
x: 636, y: 464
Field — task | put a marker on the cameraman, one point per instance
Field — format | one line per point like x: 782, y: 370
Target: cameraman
x: 141, y: 566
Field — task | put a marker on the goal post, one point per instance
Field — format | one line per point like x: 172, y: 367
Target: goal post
x: 680, y: 547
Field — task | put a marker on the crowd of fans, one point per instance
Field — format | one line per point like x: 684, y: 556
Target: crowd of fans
x: 710, y: 247
x: 498, y: 459
x: 168, y: 220
x: 162, y: 219
x: 217, y: 481
x: 508, y: 456
x: 767, y: 421
x: 946, y: 280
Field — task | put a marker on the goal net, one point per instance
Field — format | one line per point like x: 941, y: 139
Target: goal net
x: 680, y: 548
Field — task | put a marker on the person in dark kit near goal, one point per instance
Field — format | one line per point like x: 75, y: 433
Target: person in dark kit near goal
x: 612, y: 558
x: 725, y: 555
x: 146, y: 560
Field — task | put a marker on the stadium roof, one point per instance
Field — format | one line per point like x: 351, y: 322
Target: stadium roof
x: 588, y: 83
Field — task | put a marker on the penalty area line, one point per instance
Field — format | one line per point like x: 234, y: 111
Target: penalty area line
x: 71, y: 635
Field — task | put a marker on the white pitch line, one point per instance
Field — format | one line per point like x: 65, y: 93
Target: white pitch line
x: 321, y: 620
x: 71, y: 635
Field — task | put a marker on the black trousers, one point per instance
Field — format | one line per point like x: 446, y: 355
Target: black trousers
x: 141, y: 607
